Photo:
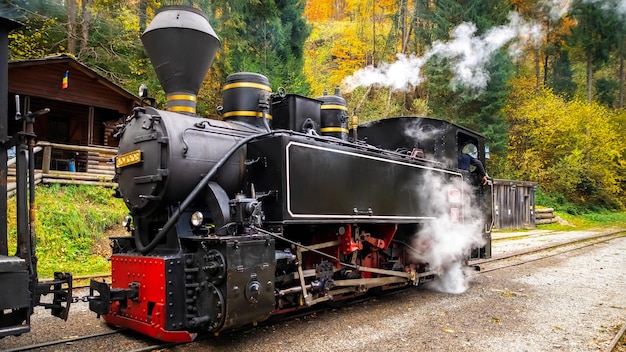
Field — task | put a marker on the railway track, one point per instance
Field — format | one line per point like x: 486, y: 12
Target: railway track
x: 619, y: 341
x: 544, y: 252
x: 141, y: 344
x: 63, y: 341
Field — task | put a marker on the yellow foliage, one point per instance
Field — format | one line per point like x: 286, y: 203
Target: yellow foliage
x: 572, y: 148
x: 333, y: 52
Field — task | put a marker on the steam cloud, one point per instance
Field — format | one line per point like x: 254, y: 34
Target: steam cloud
x: 470, y: 54
x: 443, y: 243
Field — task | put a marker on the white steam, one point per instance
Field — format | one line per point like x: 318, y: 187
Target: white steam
x: 615, y: 6
x: 557, y: 8
x: 446, y: 244
x: 469, y: 54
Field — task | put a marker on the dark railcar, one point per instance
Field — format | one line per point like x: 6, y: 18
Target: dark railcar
x: 20, y: 289
x: 276, y: 208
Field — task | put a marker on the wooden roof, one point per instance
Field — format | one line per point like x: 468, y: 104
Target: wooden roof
x: 43, y: 78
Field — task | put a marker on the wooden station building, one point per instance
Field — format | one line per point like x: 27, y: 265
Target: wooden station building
x: 84, y: 109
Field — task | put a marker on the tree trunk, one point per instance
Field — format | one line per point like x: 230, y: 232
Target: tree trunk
x: 538, y: 69
x: 71, y: 25
x: 621, y: 80
x: 546, y: 59
x: 374, y: 33
x: 589, y: 77
x: 84, y: 43
x: 143, y: 6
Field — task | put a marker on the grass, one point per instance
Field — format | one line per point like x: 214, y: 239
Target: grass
x: 71, y: 227
x: 589, y: 220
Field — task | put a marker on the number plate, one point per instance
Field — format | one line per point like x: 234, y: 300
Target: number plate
x: 131, y: 158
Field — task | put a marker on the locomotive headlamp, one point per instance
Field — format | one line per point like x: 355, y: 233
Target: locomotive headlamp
x: 127, y: 222
x: 197, y: 218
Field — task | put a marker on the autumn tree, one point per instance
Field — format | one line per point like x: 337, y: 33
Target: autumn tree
x: 571, y: 148
x: 265, y: 37
x: 594, y: 34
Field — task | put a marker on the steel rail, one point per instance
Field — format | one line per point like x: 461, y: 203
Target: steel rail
x: 600, y: 239
x: 63, y: 341
x: 553, y: 246
x: 617, y: 338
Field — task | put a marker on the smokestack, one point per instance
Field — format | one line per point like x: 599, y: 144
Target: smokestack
x: 181, y: 45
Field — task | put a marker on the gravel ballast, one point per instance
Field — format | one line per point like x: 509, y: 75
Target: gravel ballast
x: 574, y: 301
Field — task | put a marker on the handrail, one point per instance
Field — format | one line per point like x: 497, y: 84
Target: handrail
x: 48, y: 146
x: 13, y: 160
x: 78, y: 148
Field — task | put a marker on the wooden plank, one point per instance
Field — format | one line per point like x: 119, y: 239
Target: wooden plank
x: 78, y: 176
x: 101, y: 159
x: 545, y: 221
x: 79, y: 182
x: 79, y: 148
x: 544, y: 215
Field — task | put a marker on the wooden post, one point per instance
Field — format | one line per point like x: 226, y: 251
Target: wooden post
x: 90, y: 119
x: 47, y: 156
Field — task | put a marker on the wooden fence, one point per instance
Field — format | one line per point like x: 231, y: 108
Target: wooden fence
x: 514, y: 204
x: 90, y: 165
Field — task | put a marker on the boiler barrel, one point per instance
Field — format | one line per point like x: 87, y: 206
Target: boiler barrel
x: 163, y: 155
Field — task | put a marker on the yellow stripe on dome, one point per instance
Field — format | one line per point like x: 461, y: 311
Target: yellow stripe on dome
x: 247, y: 85
x: 335, y: 107
x: 246, y: 114
x: 333, y: 129
x: 181, y: 97
x: 179, y: 108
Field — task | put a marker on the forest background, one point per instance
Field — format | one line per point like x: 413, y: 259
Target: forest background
x: 542, y: 80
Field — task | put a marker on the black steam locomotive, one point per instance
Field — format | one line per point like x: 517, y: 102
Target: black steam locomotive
x: 274, y: 208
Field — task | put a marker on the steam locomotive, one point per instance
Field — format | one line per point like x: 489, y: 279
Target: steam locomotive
x: 276, y: 207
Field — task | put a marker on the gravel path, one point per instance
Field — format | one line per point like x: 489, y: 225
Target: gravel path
x: 571, y: 302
